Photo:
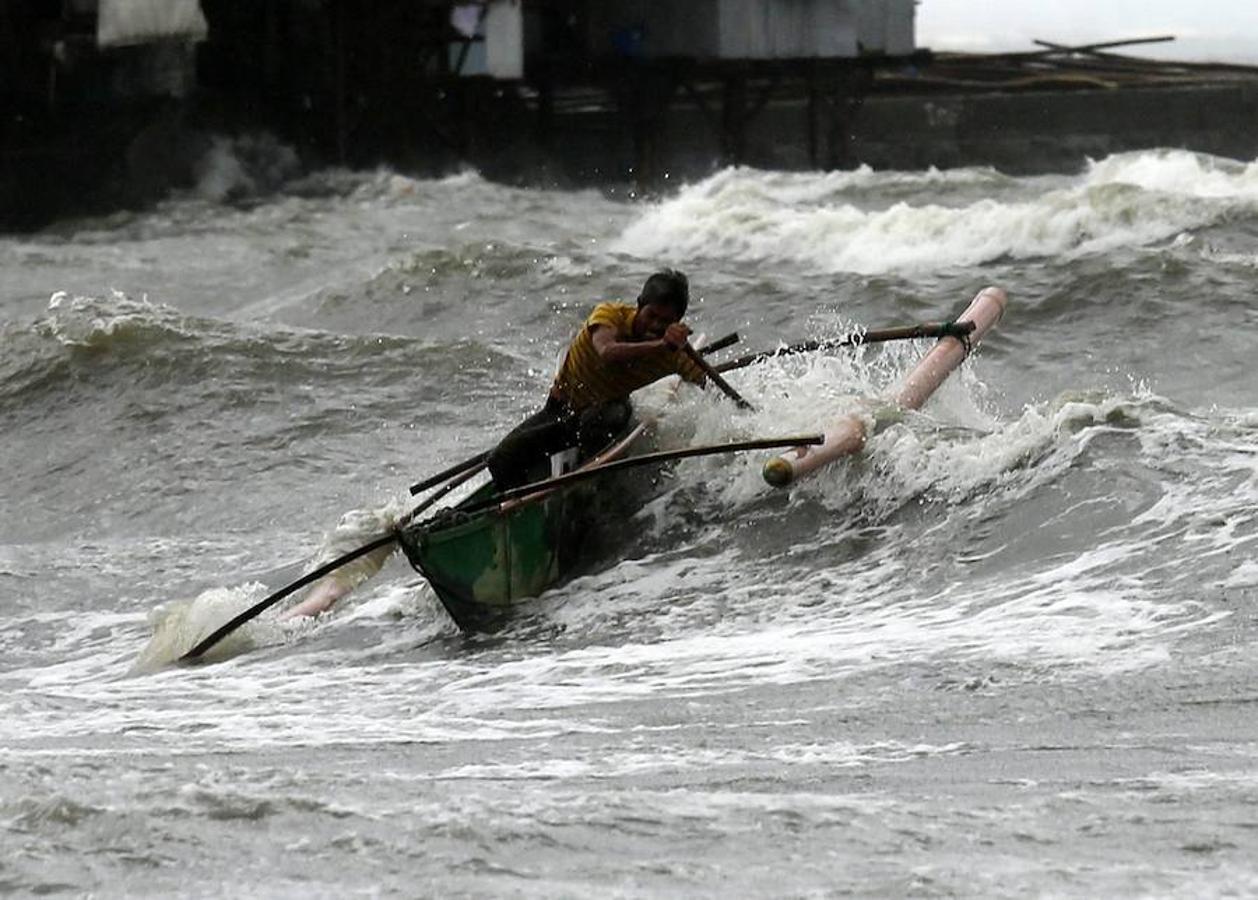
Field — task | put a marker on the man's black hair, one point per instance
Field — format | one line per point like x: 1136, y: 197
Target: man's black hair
x: 667, y: 287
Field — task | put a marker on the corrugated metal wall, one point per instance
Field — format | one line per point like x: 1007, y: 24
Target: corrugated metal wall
x: 786, y: 29
x: 752, y: 29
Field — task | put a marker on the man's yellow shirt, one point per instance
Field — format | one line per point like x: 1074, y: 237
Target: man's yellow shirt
x: 586, y: 380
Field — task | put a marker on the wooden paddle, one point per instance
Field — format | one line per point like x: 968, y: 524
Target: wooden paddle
x: 715, y: 377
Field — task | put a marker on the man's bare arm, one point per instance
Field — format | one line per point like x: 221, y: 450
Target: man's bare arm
x: 616, y: 351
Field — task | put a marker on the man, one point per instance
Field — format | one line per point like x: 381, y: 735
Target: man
x: 617, y: 351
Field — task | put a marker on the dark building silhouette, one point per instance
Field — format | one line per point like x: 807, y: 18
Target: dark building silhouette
x: 108, y: 103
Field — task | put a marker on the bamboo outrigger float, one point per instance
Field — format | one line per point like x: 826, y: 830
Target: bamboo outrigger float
x: 847, y: 435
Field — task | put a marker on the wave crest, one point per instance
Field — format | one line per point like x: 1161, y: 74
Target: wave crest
x: 833, y: 223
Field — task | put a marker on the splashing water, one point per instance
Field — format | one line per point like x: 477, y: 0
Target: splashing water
x: 181, y: 625
x: 1005, y: 651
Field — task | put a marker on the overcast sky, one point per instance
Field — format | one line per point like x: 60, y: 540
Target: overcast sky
x: 1204, y: 29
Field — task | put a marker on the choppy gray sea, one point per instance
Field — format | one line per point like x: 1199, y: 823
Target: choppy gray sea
x: 1008, y: 651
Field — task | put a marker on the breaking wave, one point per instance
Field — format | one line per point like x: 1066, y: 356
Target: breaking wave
x: 821, y: 221
x: 148, y: 343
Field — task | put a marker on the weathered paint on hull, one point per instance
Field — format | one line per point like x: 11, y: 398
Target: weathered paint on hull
x: 481, y: 567
x: 485, y: 565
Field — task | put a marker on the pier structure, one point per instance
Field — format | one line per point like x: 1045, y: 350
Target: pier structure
x: 91, y: 96
x: 108, y: 103
x: 576, y: 90
x: 550, y: 91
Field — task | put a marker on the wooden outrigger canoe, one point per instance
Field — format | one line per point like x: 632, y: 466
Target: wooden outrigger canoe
x: 486, y: 555
x: 482, y: 560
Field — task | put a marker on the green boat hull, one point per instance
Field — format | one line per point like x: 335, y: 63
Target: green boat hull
x: 483, y: 565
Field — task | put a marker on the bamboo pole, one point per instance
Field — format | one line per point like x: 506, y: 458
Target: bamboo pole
x: 847, y: 435
x: 882, y: 335
x: 550, y: 484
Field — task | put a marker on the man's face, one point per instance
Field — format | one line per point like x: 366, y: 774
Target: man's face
x: 653, y: 320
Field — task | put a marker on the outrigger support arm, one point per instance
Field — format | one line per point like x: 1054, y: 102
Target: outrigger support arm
x: 539, y: 487
x: 542, y: 487
x: 463, y: 472
x: 456, y: 469
x: 902, y: 333
x: 263, y: 605
x: 466, y: 475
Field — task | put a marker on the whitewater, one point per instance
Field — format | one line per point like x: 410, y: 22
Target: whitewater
x: 1006, y: 651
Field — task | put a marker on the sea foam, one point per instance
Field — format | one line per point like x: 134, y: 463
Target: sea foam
x: 824, y: 221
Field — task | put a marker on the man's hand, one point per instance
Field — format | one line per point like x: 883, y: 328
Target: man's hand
x: 675, y: 336
x: 613, y: 350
